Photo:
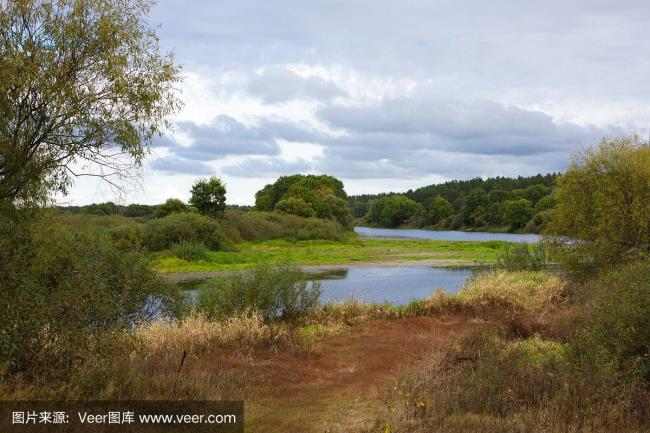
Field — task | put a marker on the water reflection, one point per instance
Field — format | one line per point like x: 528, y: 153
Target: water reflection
x: 396, y: 285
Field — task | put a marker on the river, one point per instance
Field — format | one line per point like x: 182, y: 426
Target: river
x: 446, y: 235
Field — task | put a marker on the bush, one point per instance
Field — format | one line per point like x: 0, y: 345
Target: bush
x: 259, y: 226
x: 65, y: 293
x: 279, y: 291
x: 190, y: 250
x: 617, y: 324
x: 159, y: 234
x: 522, y: 257
x: 172, y: 205
x: 313, y: 229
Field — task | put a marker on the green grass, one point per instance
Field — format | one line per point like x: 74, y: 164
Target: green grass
x: 355, y: 250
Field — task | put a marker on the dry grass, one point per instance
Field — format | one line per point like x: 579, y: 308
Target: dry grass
x: 196, y: 333
x: 488, y: 382
x: 530, y: 292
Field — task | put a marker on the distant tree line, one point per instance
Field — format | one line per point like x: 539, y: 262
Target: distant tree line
x: 522, y: 203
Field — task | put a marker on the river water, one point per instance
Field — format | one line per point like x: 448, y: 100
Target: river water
x: 445, y: 235
x: 395, y: 285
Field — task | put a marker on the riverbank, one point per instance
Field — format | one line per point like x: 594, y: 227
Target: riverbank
x: 317, y: 255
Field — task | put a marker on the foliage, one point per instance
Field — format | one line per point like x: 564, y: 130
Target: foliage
x: 133, y: 210
x: 279, y: 291
x: 80, y: 82
x: 190, y: 250
x: 209, y: 196
x: 545, y: 203
x: 393, y: 210
x: 64, y: 292
x: 616, y: 325
x: 603, y: 205
x: 297, y: 193
x: 259, y: 226
x: 518, y: 212
x: 295, y: 206
x: 439, y: 209
x: 162, y: 233
x: 471, y: 207
x: 172, y: 205
x: 522, y: 257
x: 474, y: 206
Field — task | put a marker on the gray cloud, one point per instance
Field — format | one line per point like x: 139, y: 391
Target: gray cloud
x: 255, y: 167
x: 175, y: 165
x: 402, y: 138
x: 544, y: 49
x: 481, y: 127
x: 468, y: 61
x: 278, y: 84
x: 225, y: 136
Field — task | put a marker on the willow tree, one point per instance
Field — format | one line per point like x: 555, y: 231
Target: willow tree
x: 83, y: 90
x: 602, y: 215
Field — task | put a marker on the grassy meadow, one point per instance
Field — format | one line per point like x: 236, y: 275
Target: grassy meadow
x: 349, y: 252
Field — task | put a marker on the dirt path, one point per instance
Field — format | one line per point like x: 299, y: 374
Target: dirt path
x: 342, y: 379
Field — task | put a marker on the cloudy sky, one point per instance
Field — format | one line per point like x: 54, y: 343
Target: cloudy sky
x: 390, y: 95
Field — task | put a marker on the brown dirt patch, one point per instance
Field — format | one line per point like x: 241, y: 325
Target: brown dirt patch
x: 342, y: 378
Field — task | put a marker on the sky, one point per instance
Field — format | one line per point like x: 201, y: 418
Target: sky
x: 389, y: 95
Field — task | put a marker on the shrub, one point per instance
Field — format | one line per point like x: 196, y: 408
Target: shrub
x: 172, y: 205
x: 522, y: 257
x: 313, y: 229
x: 279, y: 291
x: 257, y: 226
x: 162, y: 233
x: 65, y: 293
x: 190, y: 250
x: 616, y: 326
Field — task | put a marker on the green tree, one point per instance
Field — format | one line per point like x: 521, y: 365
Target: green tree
x: 172, y: 205
x: 438, y: 210
x: 603, y: 203
x: 545, y: 203
x: 518, y: 212
x: 324, y: 194
x: 82, y: 84
x: 209, y: 196
x: 476, y: 199
x: 534, y: 193
x: 295, y: 206
x: 393, y: 210
x: 498, y: 196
